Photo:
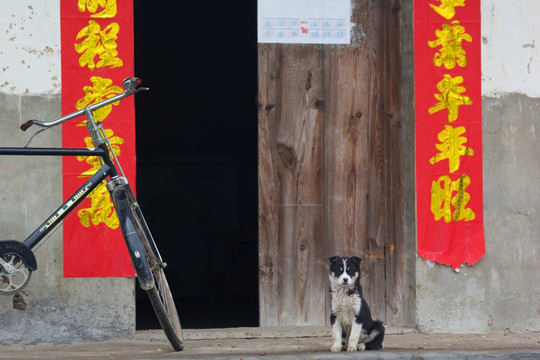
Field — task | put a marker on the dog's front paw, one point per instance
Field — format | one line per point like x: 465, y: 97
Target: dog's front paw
x: 361, y: 347
x: 335, y: 348
x: 352, y: 348
x: 362, y: 337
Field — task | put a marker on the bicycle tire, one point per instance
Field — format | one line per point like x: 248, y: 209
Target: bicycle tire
x: 160, y: 294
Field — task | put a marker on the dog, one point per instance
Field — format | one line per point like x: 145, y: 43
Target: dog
x: 353, y: 328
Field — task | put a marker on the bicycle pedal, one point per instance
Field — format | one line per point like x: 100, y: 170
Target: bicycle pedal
x: 20, y: 300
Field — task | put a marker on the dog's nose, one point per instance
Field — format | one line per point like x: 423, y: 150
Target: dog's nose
x: 345, y: 280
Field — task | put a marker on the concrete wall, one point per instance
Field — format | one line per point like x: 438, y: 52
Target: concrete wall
x: 61, y: 310
x: 502, y: 291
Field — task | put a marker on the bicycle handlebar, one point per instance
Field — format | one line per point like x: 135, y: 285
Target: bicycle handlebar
x: 131, y: 86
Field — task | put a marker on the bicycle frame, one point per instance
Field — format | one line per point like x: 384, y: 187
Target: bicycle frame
x: 110, y: 170
x: 107, y: 170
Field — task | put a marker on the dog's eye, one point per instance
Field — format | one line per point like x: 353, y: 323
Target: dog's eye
x: 341, y: 268
x: 348, y: 268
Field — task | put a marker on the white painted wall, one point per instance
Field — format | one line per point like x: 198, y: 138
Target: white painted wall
x: 30, y: 47
x: 510, y: 51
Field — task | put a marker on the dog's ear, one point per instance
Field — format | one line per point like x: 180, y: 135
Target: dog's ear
x: 333, y: 259
x: 356, y: 260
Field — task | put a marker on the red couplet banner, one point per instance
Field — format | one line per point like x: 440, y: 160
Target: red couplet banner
x: 448, y: 107
x: 97, y: 54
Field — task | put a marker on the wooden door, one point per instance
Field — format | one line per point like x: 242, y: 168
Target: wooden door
x: 330, y: 168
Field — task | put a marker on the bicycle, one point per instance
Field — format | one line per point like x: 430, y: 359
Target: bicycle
x: 17, y: 260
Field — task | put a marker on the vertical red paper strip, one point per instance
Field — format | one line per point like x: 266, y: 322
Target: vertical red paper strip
x: 97, y: 54
x: 455, y: 242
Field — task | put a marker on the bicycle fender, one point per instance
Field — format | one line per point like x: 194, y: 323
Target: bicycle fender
x: 14, y: 247
x: 134, y: 244
x: 138, y: 254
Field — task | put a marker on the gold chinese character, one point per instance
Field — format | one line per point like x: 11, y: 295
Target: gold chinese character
x: 101, y: 89
x: 447, y: 9
x: 100, y: 43
x: 449, y: 38
x: 451, y: 147
x: 101, y: 209
x: 92, y: 6
x: 451, y: 194
x: 450, y: 96
x: 93, y: 161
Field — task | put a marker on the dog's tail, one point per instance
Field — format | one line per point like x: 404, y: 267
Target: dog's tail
x: 375, y: 337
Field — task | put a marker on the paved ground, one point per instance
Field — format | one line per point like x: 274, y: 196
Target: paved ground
x: 288, y: 343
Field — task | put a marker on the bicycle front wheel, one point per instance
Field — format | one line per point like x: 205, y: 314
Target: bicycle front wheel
x: 163, y: 304
x: 160, y: 293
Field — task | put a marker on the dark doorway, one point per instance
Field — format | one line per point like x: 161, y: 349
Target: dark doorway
x: 198, y: 128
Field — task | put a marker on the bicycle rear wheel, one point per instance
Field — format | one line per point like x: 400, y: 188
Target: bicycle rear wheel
x: 159, y: 294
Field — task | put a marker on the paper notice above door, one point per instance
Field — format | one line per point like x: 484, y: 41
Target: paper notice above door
x: 304, y: 21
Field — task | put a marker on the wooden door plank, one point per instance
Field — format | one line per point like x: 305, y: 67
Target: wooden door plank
x: 400, y: 249
x: 268, y: 183
x: 301, y: 186
x: 346, y: 138
x: 302, y: 275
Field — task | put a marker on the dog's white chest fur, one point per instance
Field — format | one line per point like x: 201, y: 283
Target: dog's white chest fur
x: 345, y: 305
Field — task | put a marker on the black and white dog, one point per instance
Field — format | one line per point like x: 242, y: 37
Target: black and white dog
x: 351, y: 320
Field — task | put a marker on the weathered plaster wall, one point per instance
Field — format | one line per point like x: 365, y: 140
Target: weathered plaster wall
x: 502, y: 291
x: 61, y: 310
x: 30, y: 47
